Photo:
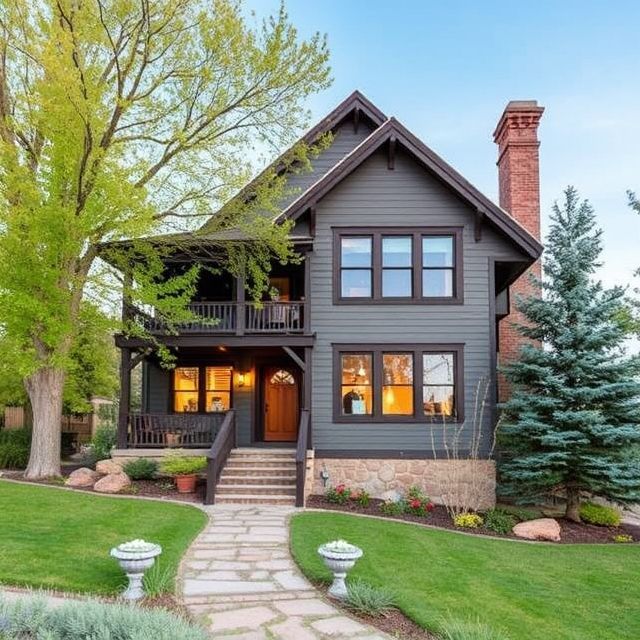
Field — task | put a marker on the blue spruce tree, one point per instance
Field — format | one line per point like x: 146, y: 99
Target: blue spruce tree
x: 573, y: 418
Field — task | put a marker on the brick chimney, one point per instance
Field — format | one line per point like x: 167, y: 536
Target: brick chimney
x: 518, y: 176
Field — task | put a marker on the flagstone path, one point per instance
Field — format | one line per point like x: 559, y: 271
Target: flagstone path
x: 239, y: 579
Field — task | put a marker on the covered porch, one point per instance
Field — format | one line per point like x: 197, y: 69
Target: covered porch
x: 267, y: 386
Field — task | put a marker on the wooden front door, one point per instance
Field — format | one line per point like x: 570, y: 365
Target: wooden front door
x: 281, y: 405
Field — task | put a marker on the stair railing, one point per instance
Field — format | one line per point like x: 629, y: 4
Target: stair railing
x: 301, y: 455
x: 217, y: 456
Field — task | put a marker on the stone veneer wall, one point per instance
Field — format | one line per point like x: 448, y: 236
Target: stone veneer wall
x: 385, y: 478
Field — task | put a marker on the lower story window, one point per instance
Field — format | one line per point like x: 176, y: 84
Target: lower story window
x: 391, y: 383
x: 200, y: 389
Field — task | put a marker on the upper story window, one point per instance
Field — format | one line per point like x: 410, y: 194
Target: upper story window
x: 398, y: 266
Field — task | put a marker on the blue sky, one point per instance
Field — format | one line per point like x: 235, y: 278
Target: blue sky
x: 447, y: 69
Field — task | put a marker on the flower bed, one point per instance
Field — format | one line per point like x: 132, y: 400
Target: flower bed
x: 417, y: 507
x: 156, y: 488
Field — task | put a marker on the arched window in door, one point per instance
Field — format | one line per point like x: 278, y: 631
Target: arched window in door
x: 282, y: 377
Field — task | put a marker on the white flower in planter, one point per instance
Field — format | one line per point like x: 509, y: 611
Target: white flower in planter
x: 135, y: 557
x: 339, y: 556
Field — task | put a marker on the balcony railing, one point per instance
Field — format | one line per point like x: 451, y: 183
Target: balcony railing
x: 235, y: 318
x: 183, y: 430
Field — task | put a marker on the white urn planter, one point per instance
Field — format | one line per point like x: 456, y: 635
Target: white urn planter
x: 339, y: 556
x: 135, y: 558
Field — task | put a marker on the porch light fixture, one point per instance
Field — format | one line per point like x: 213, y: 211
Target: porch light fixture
x: 242, y: 379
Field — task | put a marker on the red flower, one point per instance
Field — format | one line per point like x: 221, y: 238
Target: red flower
x: 340, y: 488
x: 430, y: 506
x: 415, y: 504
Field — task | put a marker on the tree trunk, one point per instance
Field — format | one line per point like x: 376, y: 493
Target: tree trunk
x: 573, y: 504
x: 45, y: 392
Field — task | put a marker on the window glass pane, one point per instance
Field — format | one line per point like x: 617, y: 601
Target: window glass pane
x: 185, y: 401
x: 185, y: 379
x: 356, y: 252
x: 396, y: 283
x: 356, y: 377
x: 397, y: 368
x: 437, y: 283
x: 397, y: 400
x: 218, y: 401
x: 396, y: 251
x: 356, y: 283
x: 437, y: 368
x: 438, y: 401
x: 437, y: 251
x: 218, y: 378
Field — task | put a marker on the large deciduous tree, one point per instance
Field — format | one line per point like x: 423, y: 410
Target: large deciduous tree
x: 574, y: 412
x: 120, y: 119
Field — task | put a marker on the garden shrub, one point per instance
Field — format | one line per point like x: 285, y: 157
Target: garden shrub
x: 361, y: 497
x: 452, y: 629
x: 102, y: 442
x: 468, y: 521
x: 521, y: 514
x: 141, y: 469
x: 622, y: 538
x: 33, y: 619
x: 338, y: 495
x: 368, y: 599
x: 417, y: 502
x: 499, y: 521
x: 599, y: 515
x: 15, y: 445
x: 393, y: 507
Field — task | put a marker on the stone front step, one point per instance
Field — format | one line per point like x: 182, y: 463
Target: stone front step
x: 255, y: 499
x: 232, y: 478
x: 260, y: 464
x: 254, y: 489
x: 246, y: 470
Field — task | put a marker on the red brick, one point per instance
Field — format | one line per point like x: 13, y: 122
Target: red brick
x: 518, y: 176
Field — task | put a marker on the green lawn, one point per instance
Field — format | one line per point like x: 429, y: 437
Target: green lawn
x: 61, y: 539
x: 527, y: 591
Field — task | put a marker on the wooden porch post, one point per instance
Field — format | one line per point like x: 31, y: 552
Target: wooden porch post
x: 308, y: 389
x: 125, y: 397
x: 306, y: 311
x: 240, y: 307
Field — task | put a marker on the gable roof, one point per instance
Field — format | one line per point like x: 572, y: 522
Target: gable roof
x: 356, y: 104
x: 395, y: 133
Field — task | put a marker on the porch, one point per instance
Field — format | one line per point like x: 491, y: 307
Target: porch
x: 220, y: 398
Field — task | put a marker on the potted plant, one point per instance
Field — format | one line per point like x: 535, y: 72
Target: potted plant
x: 184, y: 469
x: 339, y: 556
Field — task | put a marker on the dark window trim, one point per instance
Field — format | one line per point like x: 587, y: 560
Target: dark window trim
x: 377, y: 233
x: 202, y: 392
x: 377, y: 350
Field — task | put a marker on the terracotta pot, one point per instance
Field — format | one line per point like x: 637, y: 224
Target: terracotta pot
x: 186, y: 484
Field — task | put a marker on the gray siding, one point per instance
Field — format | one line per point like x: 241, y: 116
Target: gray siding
x: 406, y: 196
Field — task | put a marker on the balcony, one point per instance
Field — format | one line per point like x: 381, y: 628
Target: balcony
x: 234, y: 318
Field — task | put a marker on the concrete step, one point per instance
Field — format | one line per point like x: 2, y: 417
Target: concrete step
x: 276, y: 451
x: 232, y: 478
x: 263, y: 455
x: 255, y: 489
x: 229, y: 498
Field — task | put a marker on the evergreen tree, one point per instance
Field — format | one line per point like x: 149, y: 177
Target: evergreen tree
x: 574, y: 411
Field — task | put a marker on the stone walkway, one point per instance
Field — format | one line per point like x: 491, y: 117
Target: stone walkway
x: 239, y: 579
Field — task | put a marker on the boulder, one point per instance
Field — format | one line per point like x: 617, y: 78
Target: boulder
x: 113, y: 483
x: 540, y: 529
x: 105, y: 467
x: 83, y: 477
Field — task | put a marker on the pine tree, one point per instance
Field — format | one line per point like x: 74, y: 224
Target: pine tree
x: 574, y: 414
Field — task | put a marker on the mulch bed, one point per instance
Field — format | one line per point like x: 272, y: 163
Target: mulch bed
x: 162, y: 488
x: 396, y: 624
x: 570, y: 532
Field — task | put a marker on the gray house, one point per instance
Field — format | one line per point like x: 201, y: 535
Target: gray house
x: 373, y: 351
